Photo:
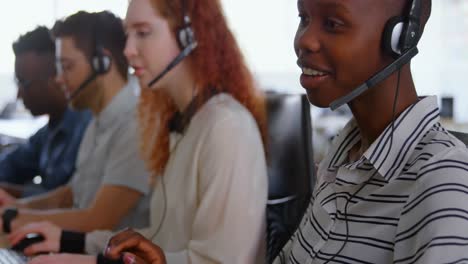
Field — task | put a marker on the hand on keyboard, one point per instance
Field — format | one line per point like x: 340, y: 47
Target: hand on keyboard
x: 49, y: 232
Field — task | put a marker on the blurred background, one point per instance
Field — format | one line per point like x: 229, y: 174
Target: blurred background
x: 265, y: 31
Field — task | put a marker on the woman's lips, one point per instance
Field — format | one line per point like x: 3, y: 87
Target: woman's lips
x: 138, y: 71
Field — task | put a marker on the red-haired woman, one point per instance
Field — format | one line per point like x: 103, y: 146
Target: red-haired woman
x: 202, y: 125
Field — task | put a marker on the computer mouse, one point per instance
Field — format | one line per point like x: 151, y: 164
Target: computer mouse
x: 30, y: 239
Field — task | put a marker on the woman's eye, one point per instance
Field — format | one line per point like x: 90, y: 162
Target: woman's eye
x: 142, y: 33
x: 332, y: 24
x: 303, y: 20
x: 66, y: 67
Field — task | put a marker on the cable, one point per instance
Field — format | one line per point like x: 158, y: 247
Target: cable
x: 366, y: 182
x: 164, y: 185
x: 164, y: 210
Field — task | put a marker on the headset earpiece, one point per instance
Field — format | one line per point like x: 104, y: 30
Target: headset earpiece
x: 101, y: 62
x: 185, y: 35
x: 392, y: 35
x: 402, y: 33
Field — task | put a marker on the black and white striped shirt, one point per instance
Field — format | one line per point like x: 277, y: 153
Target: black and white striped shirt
x: 413, y: 204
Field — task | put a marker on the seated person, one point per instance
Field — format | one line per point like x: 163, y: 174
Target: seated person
x: 393, y: 187
x: 109, y: 188
x: 51, y: 152
x: 210, y: 192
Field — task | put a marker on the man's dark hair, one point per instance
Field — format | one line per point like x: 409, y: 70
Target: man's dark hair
x: 37, y: 40
x: 85, y: 27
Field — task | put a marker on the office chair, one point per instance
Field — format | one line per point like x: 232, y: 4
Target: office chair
x: 463, y: 137
x: 290, y: 167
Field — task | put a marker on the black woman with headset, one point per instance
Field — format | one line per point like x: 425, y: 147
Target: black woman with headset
x: 393, y: 187
x: 202, y: 121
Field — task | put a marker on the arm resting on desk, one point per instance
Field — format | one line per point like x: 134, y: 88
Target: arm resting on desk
x: 14, y: 190
x: 61, y: 197
x: 102, y: 214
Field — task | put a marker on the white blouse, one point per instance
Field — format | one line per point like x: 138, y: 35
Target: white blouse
x: 211, y: 200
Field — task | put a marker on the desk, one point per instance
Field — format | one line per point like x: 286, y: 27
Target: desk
x: 21, y: 128
x: 16, y: 131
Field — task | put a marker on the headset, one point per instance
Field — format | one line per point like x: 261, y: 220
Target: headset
x: 100, y: 62
x: 401, y: 36
x: 400, y: 39
x: 187, y: 44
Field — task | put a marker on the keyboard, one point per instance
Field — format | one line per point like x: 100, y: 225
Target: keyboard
x: 8, y: 256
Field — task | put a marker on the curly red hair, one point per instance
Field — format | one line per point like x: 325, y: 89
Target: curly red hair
x: 216, y: 63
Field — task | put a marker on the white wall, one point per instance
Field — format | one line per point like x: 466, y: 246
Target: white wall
x: 268, y: 42
x: 441, y: 68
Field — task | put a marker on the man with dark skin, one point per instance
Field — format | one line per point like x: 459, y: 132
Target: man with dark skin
x: 52, y: 151
x: 393, y: 187
x: 33, y: 64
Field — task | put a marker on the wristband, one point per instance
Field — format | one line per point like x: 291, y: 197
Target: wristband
x: 101, y: 259
x: 8, y: 215
x: 72, y: 242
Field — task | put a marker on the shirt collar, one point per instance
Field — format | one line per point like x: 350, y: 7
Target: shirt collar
x: 409, y: 128
x: 123, y: 102
x: 180, y: 120
x: 65, y: 125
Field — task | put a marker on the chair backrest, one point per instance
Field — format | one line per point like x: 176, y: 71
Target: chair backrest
x: 290, y: 166
x: 463, y: 137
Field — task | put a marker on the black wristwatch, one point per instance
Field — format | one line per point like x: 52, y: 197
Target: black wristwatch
x: 101, y: 259
x: 8, y: 215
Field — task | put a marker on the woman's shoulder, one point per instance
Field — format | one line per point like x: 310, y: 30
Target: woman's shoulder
x: 223, y: 108
x: 443, y: 159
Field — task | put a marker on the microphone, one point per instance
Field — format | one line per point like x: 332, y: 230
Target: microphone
x: 184, y: 53
x: 82, y: 86
x: 377, y: 78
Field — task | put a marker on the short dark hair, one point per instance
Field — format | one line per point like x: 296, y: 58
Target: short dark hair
x: 85, y: 27
x: 38, y: 40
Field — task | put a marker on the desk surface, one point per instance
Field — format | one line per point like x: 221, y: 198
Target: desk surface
x: 21, y: 128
